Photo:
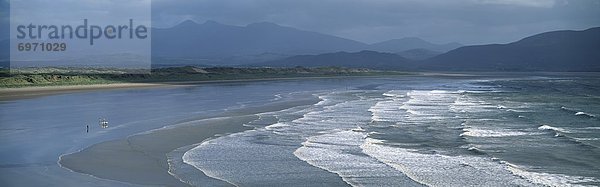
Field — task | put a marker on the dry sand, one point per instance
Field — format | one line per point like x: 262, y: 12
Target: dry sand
x: 37, y: 91
x: 30, y: 92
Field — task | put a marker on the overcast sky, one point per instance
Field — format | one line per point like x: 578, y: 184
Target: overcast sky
x: 440, y: 21
x: 464, y: 21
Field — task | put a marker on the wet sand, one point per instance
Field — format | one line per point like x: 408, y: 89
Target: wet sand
x: 38, y: 91
x: 142, y: 158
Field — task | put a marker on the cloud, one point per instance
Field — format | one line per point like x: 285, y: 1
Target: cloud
x: 465, y: 21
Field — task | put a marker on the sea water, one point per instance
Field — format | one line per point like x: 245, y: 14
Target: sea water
x: 433, y: 131
x: 465, y: 130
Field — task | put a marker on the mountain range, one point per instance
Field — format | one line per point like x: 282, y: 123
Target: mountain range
x: 212, y: 43
x: 418, y: 54
x: 268, y: 44
x: 212, y: 40
x: 362, y: 59
x: 404, y: 44
x: 215, y: 40
x: 551, y: 51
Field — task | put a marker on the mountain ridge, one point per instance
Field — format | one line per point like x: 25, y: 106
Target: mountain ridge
x: 408, y: 43
x: 211, y: 39
x: 362, y: 59
x: 564, y: 50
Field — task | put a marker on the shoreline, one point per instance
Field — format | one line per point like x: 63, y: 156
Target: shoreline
x: 143, y: 158
x: 10, y: 94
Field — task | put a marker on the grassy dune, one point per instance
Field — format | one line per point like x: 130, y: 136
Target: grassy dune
x: 66, y: 76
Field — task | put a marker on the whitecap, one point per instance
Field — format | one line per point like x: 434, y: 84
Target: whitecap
x: 340, y: 153
x: 587, y: 139
x: 548, y: 179
x: 487, y: 133
x: 584, y: 114
x: 443, y: 170
x: 556, y: 129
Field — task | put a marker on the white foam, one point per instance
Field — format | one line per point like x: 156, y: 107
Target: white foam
x: 584, y: 114
x: 439, y: 91
x: 515, y: 110
x: 394, y: 93
x: 443, y: 170
x: 324, y: 100
x: 474, y: 132
x: 466, y: 104
x: 557, y: 129
x: 547, y: 179
x: 337, y: 153
x: 276, y: 126
x: 358, y: 129
x: 389, y: 109
x: 413, y: 112
x: 425, y: 106
x: 587, y: 139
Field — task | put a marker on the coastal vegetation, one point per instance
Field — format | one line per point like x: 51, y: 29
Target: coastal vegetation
x: 74, y: 76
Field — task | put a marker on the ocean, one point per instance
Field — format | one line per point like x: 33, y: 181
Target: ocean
x: 427, y: 130
x: 461, y: 131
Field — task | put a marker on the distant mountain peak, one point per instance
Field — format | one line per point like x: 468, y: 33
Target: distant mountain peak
x: 412, y: 39
x: 211, y: 22
x: 188, y: 22
x: 212, y: 40
x: 407, y: 43
x: 263, y: 24
x: 193, y: 24
x: 371, y: 52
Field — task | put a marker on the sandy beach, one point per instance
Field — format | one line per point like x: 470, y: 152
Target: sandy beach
x: 31, y: 92
x: 7, y: 94
x: 142, y: 158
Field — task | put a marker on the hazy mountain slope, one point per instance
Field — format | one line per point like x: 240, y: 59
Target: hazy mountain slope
x: 211, y: 39
x: 550, y: 51
x: 399, y: 45
x: 362, y: 59
x: 418, y: 54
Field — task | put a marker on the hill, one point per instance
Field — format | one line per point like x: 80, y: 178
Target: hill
x: 550, y: 51
x: 362, y: 59
x: 399, y: 45
x: 418, y: 54
x: 215, y: 40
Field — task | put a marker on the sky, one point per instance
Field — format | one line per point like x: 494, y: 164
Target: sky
x: 370, y: 21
